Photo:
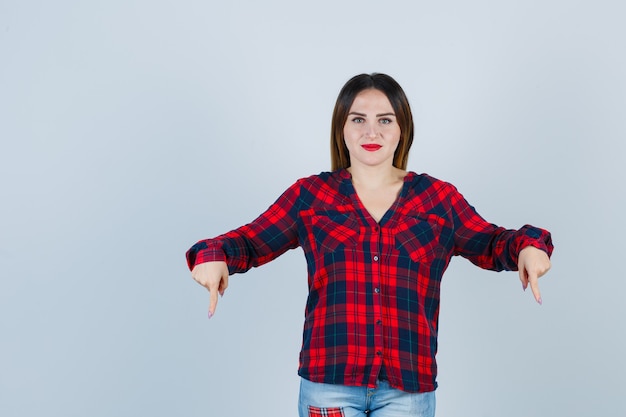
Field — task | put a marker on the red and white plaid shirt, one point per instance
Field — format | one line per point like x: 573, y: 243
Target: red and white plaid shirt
x: 373, y: 286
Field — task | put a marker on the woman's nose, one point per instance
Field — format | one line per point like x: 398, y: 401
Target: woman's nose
x: 371, y: 130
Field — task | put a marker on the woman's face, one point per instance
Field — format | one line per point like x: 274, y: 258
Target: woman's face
x: 371, y: 131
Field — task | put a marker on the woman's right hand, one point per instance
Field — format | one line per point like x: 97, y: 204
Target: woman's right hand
x: 214, y: 277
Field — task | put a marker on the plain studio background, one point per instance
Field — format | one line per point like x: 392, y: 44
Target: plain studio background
x: 131, y: 129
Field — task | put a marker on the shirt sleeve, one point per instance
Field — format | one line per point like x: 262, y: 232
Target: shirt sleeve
x: 489, y: 246
x: 254, y: 244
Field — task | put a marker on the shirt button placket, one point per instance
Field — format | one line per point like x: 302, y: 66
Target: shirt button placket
x: 376, y: 269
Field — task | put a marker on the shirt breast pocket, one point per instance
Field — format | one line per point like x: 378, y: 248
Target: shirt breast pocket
x: 418, y: 236
x: 333, y: 232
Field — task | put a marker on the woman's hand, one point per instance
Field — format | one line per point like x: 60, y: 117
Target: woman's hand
x: 532, y: 263
x: 214, y: 277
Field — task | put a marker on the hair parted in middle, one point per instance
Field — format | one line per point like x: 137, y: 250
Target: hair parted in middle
x: 339, y: 156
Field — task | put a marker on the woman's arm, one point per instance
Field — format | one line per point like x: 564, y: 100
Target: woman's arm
x: 256, y: 243
x: 267, y: 237
x: 492, y: 247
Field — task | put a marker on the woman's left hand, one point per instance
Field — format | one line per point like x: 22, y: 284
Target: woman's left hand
x: 532, y: 263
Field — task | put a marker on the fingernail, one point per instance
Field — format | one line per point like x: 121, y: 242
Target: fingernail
x: 540, y: 301
x: 210, y: 314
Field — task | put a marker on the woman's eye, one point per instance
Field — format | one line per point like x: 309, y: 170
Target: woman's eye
x: 385, y: 121
x: 358, y: 120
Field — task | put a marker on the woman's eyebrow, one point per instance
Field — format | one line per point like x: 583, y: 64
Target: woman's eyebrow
x: 378, y: 115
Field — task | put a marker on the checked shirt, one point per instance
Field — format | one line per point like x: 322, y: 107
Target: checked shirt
x: 373, y: 286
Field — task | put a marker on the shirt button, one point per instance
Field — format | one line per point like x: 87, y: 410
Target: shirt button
x: 376, y: 258
x: 376, y: 290
x: 379, y: 353
x: 379, y: 322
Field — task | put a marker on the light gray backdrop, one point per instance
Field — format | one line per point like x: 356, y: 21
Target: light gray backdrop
x: 131, y: 129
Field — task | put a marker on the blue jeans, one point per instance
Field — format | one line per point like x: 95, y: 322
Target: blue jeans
x: 344, y: 401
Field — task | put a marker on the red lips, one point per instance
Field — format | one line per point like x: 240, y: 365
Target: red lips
x: 371, y: 147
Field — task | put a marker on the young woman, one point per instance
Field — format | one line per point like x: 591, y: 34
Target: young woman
x: 377, y: 240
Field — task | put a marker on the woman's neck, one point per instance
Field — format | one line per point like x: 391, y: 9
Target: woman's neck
x: 375, y: 177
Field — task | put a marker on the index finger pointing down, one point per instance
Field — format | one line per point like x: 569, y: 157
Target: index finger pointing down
x: 533, y: 280
x: 213, y: 302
